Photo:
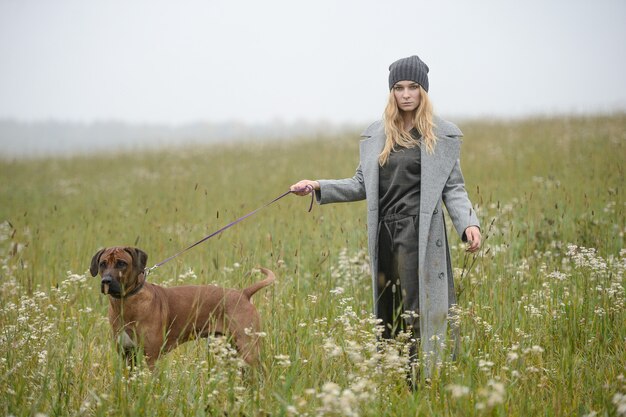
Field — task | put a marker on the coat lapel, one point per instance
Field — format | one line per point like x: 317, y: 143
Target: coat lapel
x: 436, y: 168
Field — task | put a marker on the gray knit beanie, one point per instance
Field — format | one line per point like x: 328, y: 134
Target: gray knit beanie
x: 409, y: 69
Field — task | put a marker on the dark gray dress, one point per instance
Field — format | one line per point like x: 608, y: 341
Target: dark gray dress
x: 399, y: 202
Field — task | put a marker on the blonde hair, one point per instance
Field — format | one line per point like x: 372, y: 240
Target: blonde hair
x: 394, y: 126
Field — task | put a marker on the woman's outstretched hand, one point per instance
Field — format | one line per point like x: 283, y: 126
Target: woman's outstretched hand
x: 304, y: 187
x: 472, y: 233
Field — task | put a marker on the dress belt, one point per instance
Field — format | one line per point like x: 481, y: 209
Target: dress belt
x: 392, y: 217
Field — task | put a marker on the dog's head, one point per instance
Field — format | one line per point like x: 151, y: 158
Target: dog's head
x: 119, y: 268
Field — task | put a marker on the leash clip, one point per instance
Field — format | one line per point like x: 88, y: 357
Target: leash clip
x: 147, y: 271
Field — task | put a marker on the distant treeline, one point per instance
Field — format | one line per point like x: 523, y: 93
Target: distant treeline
x: 52, y: 138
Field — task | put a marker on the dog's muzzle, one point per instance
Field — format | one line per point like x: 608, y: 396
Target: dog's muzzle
x: 108, y: 286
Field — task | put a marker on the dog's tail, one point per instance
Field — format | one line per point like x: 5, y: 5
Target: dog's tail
x: 249, y: 292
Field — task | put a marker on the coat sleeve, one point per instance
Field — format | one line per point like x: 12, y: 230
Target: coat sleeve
x: 341, y: 191
x: 458, y: 203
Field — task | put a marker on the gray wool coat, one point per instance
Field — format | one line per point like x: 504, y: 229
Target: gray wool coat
x: 441, y: 183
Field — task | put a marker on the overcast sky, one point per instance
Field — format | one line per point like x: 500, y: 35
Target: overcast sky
x: 147, y: 61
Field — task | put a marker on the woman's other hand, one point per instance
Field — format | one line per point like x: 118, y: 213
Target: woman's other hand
x: 472, y: 233
x: 304, y: 187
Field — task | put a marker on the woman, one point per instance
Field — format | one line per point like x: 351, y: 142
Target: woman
x: 409, y: 166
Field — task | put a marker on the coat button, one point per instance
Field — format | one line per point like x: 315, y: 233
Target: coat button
x: 441, y: 275
x: 438, y: 243
x: 436, y: 211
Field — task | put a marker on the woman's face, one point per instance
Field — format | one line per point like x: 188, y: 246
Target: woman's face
x: 407, y: 94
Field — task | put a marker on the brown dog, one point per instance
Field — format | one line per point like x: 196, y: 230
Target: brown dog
x: 158, y: 319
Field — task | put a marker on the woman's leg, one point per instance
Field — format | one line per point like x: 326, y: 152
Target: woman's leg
x: 389, y: 302
x: 398, y: 286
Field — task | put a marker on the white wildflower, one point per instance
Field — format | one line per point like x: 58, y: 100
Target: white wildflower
x: 337, y: 291
x: 557, y: 275
x: 492, y: 395
x: 248, y: 331
x: 537, y: 349
x: 534, y: 350
x: 458, y: 391
x: 187, y: 275
x: 331, y: 348
x: 283, y: 360
x: 485, y: 365
x: 619, y: 400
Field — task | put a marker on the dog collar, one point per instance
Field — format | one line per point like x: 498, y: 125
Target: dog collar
x: 131, y: 293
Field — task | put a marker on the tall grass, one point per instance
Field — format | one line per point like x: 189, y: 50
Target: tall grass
x: 541, y: 307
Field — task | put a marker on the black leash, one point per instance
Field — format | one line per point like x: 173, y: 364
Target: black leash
x: 231, y: 224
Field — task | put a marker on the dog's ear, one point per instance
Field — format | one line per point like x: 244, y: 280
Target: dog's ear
x: 140, y: 258
x: 94, y: 263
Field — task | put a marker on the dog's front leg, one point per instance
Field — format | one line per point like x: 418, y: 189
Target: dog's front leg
x: 128, y: 348
x: 153, y: 343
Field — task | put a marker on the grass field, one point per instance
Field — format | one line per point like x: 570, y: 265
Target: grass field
x: 542, y: 306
